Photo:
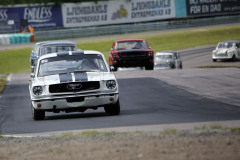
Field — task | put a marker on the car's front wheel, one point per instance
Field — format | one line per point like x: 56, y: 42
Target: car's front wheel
x: 113, y: 109
x: 214, y: 60
x: 234, y: 58
x: 38, y: 114
x: 149, y: 67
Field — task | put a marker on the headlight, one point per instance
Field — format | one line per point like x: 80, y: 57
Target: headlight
x: 37, y: 90
x: 214, y: 52
x: 229, y: 53
x: 150, y: 53
x: 111, y: 84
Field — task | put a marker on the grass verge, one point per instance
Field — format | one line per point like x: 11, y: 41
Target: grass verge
x: 3, y: 82
x: 165, y: 132
x: 17, y: 60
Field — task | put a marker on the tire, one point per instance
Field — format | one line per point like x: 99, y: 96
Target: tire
x: 38, y: 114
x: 214, y: 60
x: 234, y: 58
x: 113, y: 109
x: 181, y: 66
x: 149, y: 67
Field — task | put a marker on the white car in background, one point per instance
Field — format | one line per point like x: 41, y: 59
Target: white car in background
x: 227, y: 50
x: 167, y: 59
x: 73, y: 81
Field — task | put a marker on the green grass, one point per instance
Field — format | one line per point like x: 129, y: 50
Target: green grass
x: 17, y: 60
x: 168, y: 131
x: 3, y: 82
x: 172, y: 41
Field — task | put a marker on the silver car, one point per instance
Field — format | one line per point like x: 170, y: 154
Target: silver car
x: 46, y: 47
x: 167, y: 59
x: 73, y: 81
x: 226, y: 50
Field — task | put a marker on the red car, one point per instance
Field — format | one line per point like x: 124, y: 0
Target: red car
x: 131, y: 53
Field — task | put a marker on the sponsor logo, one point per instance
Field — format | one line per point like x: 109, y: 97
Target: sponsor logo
x: 38, y: 14
x: 121, y: 13
x: 3, y: 15
x: 74, y: 86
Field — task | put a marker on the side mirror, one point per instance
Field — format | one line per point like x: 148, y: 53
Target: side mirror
x: 32, y: 75
x: 111, y: 49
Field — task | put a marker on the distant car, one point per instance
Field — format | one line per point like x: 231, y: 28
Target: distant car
x: 131, y: 53
x: 73, y: 81
x: 167, y: 59
x: 226, y: 50
x: 46, y: 47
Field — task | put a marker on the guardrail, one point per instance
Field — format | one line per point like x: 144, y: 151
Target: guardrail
x: 131, y: 28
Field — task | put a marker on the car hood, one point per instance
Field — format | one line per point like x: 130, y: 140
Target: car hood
x: 75, y: 77
x: 222, y: 50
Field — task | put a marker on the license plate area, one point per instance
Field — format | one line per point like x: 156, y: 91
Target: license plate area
x: 75, y: 99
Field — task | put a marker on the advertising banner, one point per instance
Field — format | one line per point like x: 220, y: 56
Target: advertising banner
x: 38, y: 16
x: 212, y: 7
x: 115, y: 12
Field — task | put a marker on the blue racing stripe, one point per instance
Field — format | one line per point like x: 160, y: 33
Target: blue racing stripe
x: 62, y: 54
x: 77, y: 52
x: 65, y: 77
x: 80, y: 76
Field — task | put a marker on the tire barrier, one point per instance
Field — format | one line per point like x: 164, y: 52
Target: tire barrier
x: 6, y: 39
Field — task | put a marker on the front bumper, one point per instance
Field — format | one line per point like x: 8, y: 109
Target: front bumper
x: 77, y: 100
x: 221, y: 56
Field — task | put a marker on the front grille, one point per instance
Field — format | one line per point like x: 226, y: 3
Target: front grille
x: 133, y: 54
x: 74, y: 87
x: 222, y: 55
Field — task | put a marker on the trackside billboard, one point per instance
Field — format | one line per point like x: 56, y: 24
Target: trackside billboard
x: 116, y: 12
x: 38, y: 16
x: 212, y: 7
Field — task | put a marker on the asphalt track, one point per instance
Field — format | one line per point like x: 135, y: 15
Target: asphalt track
x: 146, y: 97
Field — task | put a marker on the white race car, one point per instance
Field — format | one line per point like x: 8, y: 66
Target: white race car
x: 73, y: 81
x: 227, y: 50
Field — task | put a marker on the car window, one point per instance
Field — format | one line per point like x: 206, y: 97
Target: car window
x: 55, y: 49
x: 164, y: 56
x: 225, y: 45
x: 69, y: 64
x: 237, y: 45
x: 131, y: 45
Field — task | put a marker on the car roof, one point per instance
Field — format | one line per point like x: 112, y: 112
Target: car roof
x: 231, y: 41
x: 67, y: 53
x: 124, y: 40
x: 55, y: 42
x: 166, y: 52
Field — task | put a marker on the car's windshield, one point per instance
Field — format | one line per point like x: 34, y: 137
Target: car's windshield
x: 55, y: 49
x: 69, y: 64
x: 131, y: 45
x: 164, y: 56
x: 225, y: 45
